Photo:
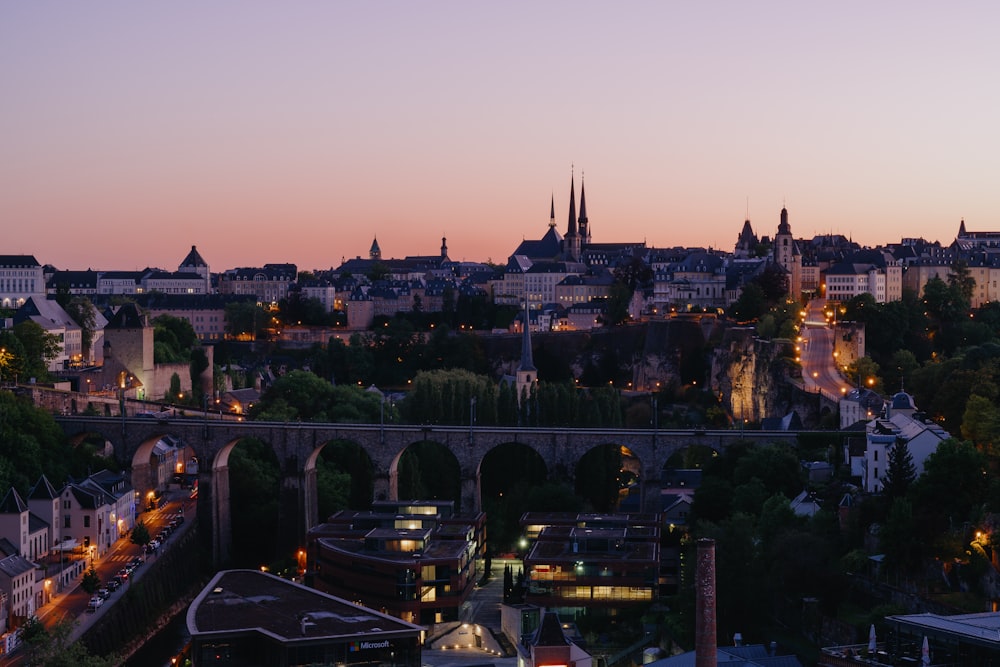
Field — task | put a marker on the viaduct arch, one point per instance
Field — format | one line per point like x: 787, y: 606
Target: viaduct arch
x: 297, y: 447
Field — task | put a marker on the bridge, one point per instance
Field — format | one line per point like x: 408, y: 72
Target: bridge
x: 297, y: 447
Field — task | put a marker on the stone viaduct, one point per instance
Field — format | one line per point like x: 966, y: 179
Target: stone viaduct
x: 298, y: 445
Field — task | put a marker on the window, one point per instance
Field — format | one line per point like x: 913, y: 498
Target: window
x: 86, y: 522
x: 66, y: 522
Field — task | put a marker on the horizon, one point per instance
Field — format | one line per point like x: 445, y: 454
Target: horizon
x: 265, y: 134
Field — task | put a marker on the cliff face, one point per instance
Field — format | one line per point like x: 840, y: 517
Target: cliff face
x: 750, y: 375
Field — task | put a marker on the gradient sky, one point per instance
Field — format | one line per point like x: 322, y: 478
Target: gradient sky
x: 297, y: 131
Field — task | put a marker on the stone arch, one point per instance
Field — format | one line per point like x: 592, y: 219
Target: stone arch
x: 604, y: 472
x: 366, y: 477
x: 505, y: 474
x: 434, y: 477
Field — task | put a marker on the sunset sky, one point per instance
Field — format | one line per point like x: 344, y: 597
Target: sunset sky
x: 298, y: 131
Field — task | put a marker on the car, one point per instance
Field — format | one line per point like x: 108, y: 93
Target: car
x: 135, y: 562
x: 94, y: 603
x: 103, y: 593
x: 114, y: 583
x: 124, y: 573
x: 152, y: 546
x: 179, y: 518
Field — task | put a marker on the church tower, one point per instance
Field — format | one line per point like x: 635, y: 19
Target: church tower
x: 527, y: 374
x: 444, y: 249
x: 786, y: 255
x: 584, y: 223
x: 572, y: 239
x: 746, y: 243
x: 375, y: 253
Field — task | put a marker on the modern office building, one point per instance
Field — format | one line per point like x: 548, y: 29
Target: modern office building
x: 591, y: 561
x: 415, y: 560
x: 249, y: 618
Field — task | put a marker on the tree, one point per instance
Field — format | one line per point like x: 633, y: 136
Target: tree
x: 245, y: 319
x: 54, y: 647
x: 173, y: 339
x: 91, y: 581
x: 751, y: 303
x: 896, y: 538
x: 981, y: 422
x: 619, y: 298
x: 85, y: 315
x: 900, y: 473
x: 174, y: 392
x: 140, y: 534
x: 40, y: 347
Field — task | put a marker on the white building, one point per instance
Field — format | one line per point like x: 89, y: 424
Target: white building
x: 21, y: 277
x: 903, y: 424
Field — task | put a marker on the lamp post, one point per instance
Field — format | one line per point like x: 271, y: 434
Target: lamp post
x: 472, y: 416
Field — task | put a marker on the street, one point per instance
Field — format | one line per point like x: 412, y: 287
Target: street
x: 819, y: 368
x: 71, y: 605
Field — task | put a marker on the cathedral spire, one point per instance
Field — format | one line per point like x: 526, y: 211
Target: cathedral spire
x: 552, y: 212
x: 571, y: 227
x: 584, y: 227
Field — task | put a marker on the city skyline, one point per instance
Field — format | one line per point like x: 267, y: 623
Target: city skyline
x: 299, y: 133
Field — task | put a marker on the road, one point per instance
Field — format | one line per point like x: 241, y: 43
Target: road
x: 819, y: 368
x: 72, y: 604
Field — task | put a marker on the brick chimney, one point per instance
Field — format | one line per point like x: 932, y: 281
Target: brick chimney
x: 705, y: 640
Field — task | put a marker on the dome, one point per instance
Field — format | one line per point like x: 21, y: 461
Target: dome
x: 903, y: 401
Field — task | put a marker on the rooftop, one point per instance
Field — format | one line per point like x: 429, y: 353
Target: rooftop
x: 241, y: 600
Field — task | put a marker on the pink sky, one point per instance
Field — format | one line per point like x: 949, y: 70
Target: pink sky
x: 295, y: 132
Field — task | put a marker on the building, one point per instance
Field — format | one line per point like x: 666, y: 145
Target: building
x: 903, y: 424
x: 871, y: 272
x: 51, y: 317
x: 268, y: 284
x: 246, y: 617
x: 786, y: 254
x: 196, y: 264
x: 591, y: 561
x: 97, y: 511
x: 21, y: 278
x: 17, y: 584
x: 549, y: 645
x: 415, y: 560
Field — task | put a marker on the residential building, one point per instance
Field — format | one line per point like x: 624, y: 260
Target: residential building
x: 865, y: 272
x: 246, y: 617
x: 269, y: 284
x: 17, y: 583
x: 77, y: 283
x: 98, y: 510
x: 21, y: 278
x: 55, y: 321
x: 902, y: 423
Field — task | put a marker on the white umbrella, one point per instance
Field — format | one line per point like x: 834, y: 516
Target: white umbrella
x: 925, y: 653
x: 871, y: 638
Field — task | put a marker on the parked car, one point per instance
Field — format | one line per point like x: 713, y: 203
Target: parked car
x: 114, y: 583
x: 103, y: 593
x: 135, y: 562
x: 94, y: 603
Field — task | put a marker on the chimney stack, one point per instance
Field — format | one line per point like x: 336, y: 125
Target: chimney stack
x: 705, y: 640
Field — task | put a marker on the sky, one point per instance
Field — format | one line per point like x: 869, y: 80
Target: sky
x: 300, y: 131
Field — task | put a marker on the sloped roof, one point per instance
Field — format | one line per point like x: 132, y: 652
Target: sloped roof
x: 194, y: 259
x: 12, y: 503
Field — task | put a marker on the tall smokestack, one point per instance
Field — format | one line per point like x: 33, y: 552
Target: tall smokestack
x: 705, y: 640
